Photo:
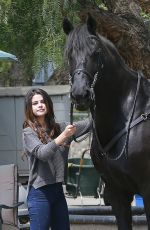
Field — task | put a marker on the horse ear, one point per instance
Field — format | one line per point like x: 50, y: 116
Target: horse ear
x: 67, y: 26
x: 91, y: 24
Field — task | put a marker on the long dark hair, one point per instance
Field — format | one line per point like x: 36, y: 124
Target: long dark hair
x: 53, y: 128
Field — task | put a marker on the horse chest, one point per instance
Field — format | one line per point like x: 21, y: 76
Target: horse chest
x: 117, y: 174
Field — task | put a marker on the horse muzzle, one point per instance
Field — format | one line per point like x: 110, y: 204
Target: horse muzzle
x: 81, y: 106
x: 81, y: 103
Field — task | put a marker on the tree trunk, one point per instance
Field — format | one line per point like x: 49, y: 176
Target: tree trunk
x: 124, y: 26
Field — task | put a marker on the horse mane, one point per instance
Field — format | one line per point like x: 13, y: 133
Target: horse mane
x: 111, y: 48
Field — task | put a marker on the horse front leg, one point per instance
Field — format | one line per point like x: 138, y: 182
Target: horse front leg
x: 121, y: 206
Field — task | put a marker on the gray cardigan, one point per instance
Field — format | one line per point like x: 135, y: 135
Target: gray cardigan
x: 48, y: 162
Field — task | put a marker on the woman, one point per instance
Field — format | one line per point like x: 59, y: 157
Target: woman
x: 46, y: 144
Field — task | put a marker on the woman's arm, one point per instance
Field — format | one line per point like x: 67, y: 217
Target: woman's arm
x: 68, y: 132
x: 83, y: 127
x: 33, y: 145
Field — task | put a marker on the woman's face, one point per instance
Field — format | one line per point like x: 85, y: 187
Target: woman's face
x: 38, y: 106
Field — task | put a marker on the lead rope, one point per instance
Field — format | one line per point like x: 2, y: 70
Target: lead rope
x: 71, y: 122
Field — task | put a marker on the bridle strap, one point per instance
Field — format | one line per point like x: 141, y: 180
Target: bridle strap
x: 78, y: 71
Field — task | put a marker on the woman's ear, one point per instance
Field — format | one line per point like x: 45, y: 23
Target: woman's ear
x: 67, y: 26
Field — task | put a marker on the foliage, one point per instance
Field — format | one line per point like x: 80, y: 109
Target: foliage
x: 4, y: 10
x: 102, y: 5
x: 52, y: 38
x: 20, y: 24
x: 32, y: 30
x: 4, y: 70
x: 26, y: 22
x: 5, y: 33
x: 146, y: 16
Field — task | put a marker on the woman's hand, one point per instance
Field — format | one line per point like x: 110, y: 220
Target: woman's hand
x: 68, y: 132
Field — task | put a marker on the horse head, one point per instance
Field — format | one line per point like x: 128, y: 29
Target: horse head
x: 82, y: 51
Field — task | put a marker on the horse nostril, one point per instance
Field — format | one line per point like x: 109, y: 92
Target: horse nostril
x: 80, y: 95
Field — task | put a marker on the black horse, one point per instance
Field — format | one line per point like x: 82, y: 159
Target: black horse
x: 119, y: 101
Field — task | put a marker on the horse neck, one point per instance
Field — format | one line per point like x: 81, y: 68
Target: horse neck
x: 116, y: 82
x: 114, y: 96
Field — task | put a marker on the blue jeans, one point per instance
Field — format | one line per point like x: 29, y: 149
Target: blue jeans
x: 48, y: 208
